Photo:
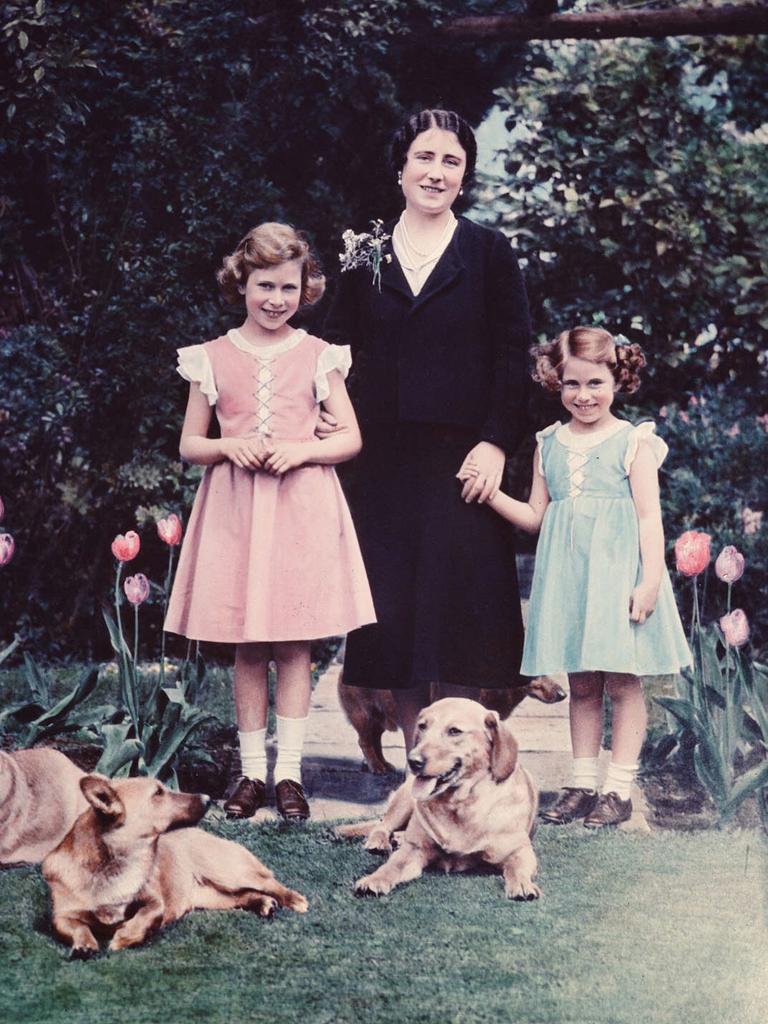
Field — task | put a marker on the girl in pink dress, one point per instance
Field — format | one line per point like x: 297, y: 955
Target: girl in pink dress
x: 270, y: 559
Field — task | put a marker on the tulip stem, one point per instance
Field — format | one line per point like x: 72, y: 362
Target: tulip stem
x: 136, y: 636
x: 117, y: 602
x: 166, y: 595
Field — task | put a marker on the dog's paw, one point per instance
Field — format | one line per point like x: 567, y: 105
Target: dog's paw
x: 522, y: 890
x: 378, y: 841
x: 296, y: 902
x: 82, y: 952
x: 370, y: 885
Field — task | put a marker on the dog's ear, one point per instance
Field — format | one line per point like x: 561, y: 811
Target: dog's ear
x: 503, y: 758
x: 102, y: 797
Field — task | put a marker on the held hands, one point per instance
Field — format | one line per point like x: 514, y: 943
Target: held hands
x: 642, y: 602
x: 285, y: 455
x: 245, y: 452
x: 481, y: 472
x: 326, y: 425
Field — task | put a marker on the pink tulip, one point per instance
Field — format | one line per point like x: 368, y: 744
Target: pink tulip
x: 729, y: 564
x: 735, y: 627
x: 125, y: 548
x: 2, y: 509
x: 137, y: 588
x: 169, y: 530
x: 7, y: 547
x: 692, y: 552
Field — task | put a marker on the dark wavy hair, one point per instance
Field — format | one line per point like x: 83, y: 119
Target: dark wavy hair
x: 267, y: 246
x: 595, y: 345
x: 449, y: 121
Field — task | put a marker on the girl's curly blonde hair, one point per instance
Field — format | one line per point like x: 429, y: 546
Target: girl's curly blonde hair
x: 595, y: 345
x: 267, y: 246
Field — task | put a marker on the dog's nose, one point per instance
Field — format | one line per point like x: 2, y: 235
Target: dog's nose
x: 415, y: 763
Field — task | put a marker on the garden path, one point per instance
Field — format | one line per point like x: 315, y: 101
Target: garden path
x: 339, y: 788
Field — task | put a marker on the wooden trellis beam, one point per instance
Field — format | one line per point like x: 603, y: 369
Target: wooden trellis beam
x: 647, y: 23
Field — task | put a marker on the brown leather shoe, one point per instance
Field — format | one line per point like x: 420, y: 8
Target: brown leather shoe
x: 572, y: 803
x: 246, y: 798
x: 610, y: 809
x: 291, y: 801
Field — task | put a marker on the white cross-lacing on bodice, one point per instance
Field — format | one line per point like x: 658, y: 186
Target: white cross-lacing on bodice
x: 263, y: 394
x: 576, y: 463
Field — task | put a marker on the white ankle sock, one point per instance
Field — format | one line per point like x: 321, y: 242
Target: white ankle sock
x: 253, y: 754
x: 584, y: 773
x: 290, y: 743
x: 619, y: 779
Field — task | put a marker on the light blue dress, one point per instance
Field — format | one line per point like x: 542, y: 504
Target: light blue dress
x: 588, y: 562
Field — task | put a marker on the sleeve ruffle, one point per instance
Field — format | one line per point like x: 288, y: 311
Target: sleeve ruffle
x: 645, y: 432
x: 540, y: 435
x: 195, y: 366
x: 333, y: 357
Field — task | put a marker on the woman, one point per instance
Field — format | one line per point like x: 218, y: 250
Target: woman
x: 439, y: 330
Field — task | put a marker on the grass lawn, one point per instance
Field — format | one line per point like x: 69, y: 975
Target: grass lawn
x: 632, y: 928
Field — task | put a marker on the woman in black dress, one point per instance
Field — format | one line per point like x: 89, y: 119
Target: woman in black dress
x: 439, y: 330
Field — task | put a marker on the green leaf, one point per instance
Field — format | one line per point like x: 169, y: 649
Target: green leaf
x: 23, y: 40
x: 744, y: 786
x: 36, y: 680
x: 55, y: 719
x: 119, y: 751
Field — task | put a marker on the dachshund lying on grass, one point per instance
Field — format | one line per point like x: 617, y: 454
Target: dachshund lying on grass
x: 468, y: 804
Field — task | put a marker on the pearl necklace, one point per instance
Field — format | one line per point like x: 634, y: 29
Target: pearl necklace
x: 426, y: 257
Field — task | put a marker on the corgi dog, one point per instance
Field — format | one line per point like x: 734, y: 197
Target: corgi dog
x: 132, y: 863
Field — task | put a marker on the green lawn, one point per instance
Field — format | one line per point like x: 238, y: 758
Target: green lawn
x: 632, y: 928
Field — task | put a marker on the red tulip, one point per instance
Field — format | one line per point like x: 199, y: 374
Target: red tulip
x: 729, y: 564
x: 137, y: 588
x: 125, y: 548
x: 169, y: 530
x: 692, y: 552
x: 735, y: 627
x: 7, y: 547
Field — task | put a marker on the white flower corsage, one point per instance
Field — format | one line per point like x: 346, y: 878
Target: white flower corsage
x: 365, y: 250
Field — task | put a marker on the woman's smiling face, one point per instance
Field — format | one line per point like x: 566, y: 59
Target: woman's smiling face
x: 433, y: 171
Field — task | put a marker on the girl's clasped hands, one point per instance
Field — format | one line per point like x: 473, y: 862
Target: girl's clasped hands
x: 261, y: 453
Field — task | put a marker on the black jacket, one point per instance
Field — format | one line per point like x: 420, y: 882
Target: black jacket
x: 455, y: 354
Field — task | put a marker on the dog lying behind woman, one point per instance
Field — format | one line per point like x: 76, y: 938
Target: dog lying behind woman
x: 372, y: 712
x: 468, y: 804
x: 122, y: 872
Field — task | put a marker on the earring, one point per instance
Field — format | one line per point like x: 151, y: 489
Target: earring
x: 399, y: 177
x: 461, y: 191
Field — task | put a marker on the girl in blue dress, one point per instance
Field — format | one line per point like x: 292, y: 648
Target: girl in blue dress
x: 602, y: 608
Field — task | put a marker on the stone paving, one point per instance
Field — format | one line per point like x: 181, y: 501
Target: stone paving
x: 338, y: 788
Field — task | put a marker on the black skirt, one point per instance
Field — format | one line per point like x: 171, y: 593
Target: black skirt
x: 442, y: 572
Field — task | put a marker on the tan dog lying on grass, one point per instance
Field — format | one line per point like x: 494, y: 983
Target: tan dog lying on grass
x: 372, y: 712
x: 467, y: 804
x: 122, y: 872
x: 40, y: 799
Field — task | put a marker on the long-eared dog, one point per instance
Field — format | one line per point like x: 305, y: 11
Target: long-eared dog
x: 467, y: 804
x: 373, y: 712
x: 121, y: 871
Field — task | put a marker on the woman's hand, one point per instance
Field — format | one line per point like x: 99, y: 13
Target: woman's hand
x: 245, y: 452
x: 482, y: 471
x: 284, y: 455
x: 327, y: 425
x: 642, y: 602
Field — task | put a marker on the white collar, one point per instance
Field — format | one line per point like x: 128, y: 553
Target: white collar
x: 580, y: 442
x: 265, y: 351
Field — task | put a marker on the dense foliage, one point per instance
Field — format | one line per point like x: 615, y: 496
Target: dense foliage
x: 140, y: 141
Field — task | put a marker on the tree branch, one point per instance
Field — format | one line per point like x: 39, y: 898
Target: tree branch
x: 741, y: 19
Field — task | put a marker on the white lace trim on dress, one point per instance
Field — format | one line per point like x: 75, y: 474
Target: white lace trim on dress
x: 645, y: 432
x: 581, y: 442
x: 195, y: 366
x: 334, y: 357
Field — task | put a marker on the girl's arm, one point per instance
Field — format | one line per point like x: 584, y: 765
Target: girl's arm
x: 343, y: 444
x: 644, y: 481
x: 525, y: 514
x: 198, y: 448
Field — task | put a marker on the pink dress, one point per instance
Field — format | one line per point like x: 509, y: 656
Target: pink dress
x: 268, y: 558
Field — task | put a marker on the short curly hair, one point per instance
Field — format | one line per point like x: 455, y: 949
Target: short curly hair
x: 449, y: 121
x: 268, y: 245
x: 596, y: 346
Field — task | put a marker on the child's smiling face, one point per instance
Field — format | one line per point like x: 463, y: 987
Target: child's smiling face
x: 587, y: 390
x: 272, y: 296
